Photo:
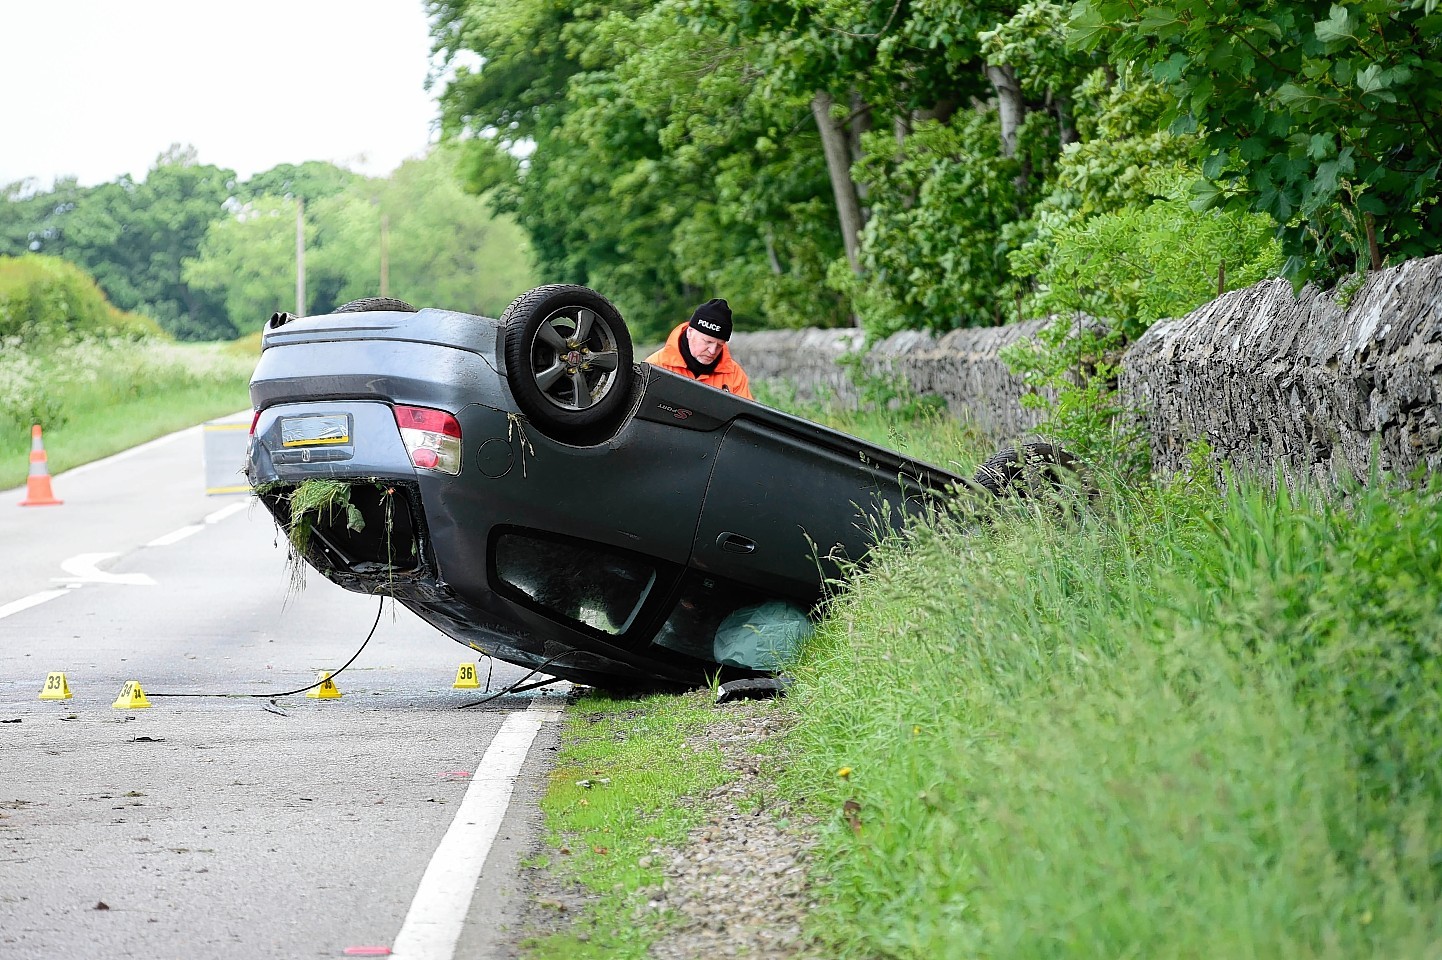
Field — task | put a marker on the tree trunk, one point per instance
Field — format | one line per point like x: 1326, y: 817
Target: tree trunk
x: 857, y: 125
x: 1066, y: 127
x: 771, y: 256
x: 1009, y: 105
x: 901, y: 129
x: 1373, y: 251
x: 848, y: 207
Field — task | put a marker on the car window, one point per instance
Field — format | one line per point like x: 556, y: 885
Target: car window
x: 721, y: 621
x: 576, y: 580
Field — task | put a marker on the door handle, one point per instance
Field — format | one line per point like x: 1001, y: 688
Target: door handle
x: 735, y: 543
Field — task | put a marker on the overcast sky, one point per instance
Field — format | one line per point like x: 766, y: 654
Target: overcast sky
x: 99, y: 88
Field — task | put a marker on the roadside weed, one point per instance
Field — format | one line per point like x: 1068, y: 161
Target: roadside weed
x: 97, y: 397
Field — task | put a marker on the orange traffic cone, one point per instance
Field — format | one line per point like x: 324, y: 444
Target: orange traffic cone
x: 37, y: 485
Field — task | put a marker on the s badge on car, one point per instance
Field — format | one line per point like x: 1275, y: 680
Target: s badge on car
x: 680, y: 413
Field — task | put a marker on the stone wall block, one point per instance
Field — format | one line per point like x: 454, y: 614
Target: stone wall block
x: 963, y: 367
x: 1273, y: 381
x: 1326, y: 382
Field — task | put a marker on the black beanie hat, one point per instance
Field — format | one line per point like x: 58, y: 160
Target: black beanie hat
x: 713, y: 318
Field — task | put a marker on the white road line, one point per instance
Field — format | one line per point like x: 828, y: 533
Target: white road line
x: 132, y: 452
x: 224, y: 512
x: 81, y: 568
x: 25, y: 603
x: 175, y: 536
x: 437, y: 914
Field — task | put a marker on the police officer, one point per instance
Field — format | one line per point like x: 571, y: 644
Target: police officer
x: 697, y: 349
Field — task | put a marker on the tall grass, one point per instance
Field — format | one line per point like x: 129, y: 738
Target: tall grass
x: 97, y: 396
x: 1177, y: 724
x: 891, y: 416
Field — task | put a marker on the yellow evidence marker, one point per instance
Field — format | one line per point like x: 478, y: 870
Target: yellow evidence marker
x: 55, y: 687
x: 131, y: 697
x: 466, y: 678
x: 327, y: 690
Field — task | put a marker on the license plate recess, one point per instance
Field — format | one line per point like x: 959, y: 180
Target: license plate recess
x: 314, y: 431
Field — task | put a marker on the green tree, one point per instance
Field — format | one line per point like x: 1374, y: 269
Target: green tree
x: 951, y: 193
x: 727, y: 182
x: 247, y: 259
x: 1106, y: 279
x: 30, y: 218
x: 528, y: 50
x: 311, y: 180
x: 519, y: 100
x: 664, y: 169
x: 133, y: 236
x: 814, y: 161
x: 1142, y: 263
x: 1326, y: 116
x: 934, y: 253
x: 444, y: 247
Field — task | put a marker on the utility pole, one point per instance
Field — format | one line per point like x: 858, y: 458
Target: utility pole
x: 299, y: 257
x: 385, y: 255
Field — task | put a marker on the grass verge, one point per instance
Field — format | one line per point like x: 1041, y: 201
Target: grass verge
x: 94, y: 398
x: 1181, y: 722
x: 1189, y: 724
x: 616, y: 793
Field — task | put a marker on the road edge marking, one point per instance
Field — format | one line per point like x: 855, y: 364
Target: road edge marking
x: 438, y: 912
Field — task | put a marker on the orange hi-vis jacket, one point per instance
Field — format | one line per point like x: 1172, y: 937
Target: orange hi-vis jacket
x: 728, y: 374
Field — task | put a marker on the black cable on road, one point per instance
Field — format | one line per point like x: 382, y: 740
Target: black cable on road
x: 517, y: 686
x: 520, y: 686
x: 289, y: 693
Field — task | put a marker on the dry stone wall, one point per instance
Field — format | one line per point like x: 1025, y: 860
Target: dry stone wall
x: 1270, y: 381
x: 963, y: 367
x: 1300, y: 383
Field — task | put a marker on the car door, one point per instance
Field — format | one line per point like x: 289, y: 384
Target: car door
x: 784, y: 506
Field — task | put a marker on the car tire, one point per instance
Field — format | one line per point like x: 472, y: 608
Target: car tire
x: 372, y: 304
x: 568, y: 362
x: 1026, y: 469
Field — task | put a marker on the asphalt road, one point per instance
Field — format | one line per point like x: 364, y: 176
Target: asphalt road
x: 238, y: 826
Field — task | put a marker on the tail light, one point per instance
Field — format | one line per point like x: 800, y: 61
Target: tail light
x: 432, y: 438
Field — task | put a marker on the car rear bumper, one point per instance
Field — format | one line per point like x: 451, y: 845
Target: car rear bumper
x: 392, y: 549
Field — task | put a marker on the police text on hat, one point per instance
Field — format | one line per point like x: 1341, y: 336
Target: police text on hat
x: 713, y: 318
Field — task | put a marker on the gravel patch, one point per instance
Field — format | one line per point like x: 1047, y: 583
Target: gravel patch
x: 739, y: 883
x: 738, y: 886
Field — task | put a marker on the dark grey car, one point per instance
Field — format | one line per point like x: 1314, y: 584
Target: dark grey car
x: 525, y: 487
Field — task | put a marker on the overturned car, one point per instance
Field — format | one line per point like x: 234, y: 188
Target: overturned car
x: 533, y: 493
